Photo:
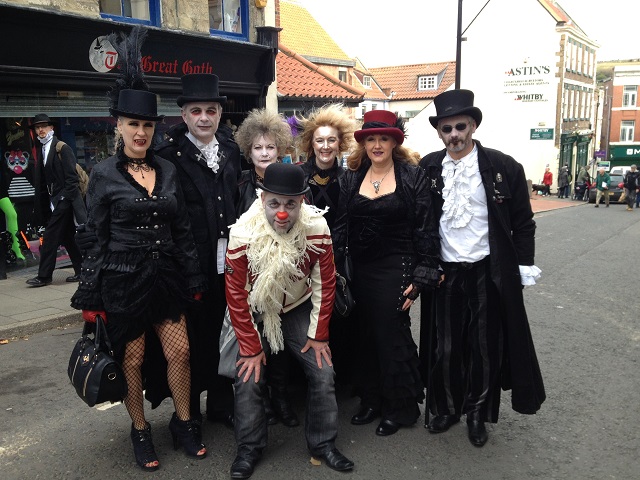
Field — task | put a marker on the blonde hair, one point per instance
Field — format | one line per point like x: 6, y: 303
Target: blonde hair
x: 400, y: 154
x: 266, y: 123
x: 330, y: 115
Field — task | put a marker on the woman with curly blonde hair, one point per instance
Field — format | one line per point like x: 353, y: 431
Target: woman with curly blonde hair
x: 327, y: 133
x: 263, y: 138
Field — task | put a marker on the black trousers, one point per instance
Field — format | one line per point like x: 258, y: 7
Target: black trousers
x: 204, y: 332
x: 60, y: 230
x: 466, y: 375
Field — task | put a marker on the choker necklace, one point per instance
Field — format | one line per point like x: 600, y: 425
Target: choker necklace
x: 139, y: 165
x: 376, y: 184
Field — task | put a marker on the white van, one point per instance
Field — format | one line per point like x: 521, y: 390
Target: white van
x: 620, y: 170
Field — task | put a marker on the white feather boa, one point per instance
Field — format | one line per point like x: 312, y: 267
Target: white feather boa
x: 274, y: 261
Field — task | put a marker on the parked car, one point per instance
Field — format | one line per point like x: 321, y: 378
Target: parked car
x: 620, y: 170
x: 614, y: 190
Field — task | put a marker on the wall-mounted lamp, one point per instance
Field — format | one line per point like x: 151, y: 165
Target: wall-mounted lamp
x: 261, y: 3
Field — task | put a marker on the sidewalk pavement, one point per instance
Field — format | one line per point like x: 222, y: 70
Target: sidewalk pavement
x: 26, y: 310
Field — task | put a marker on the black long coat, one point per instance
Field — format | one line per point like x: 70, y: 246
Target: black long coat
x: 511, y: 243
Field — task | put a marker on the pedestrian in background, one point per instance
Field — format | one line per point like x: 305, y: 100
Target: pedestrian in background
x: 564, y: 180
x: 487, y: 231
x: 602, y: 182
x: 631, y: 186
x: 385, y: 220
x: 547, y: 181
x: 142, y: 270
x: 58, y: 201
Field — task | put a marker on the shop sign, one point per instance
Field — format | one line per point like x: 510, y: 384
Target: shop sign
x: 541, y: 134
x: 626, y: 152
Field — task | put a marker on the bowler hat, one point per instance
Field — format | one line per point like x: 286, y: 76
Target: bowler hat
x: 455, y: 102
x: 284, y: 179
x: 200, y: 87
x: 138, y: 104
x: 40, y: 118
x: 381, y: 122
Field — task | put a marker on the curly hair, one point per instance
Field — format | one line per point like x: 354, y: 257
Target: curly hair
x: 400, y: 154
x: 330, y: 115
x: 263, y: 122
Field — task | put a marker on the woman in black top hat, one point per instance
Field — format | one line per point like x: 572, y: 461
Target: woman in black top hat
x: 385, y: 218
x: 142, y: 272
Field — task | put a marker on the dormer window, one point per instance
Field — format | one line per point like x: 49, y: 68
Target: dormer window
x: 366, y: 81
x: 427, y: 82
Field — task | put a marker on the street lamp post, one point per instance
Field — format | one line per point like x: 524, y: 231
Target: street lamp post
x: 459, y: 45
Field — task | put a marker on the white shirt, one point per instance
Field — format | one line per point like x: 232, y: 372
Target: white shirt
x: 45, y: 152
x: 464, y: 224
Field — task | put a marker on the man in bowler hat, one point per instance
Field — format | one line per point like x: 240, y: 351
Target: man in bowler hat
x: 483, y: 340
x: 207, y: 160
x: 57, y: 201
x: 280, y: 286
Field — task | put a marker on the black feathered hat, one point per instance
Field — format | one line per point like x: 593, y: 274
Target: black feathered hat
x: 455, y: 102
x: 284, y: 179
x: 130, y: 97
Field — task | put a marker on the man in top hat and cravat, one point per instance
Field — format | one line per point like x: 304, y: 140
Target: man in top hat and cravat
x: 208, y: 165
x: 487, y: 233
x: 280, y: 285
x: 57, y: 201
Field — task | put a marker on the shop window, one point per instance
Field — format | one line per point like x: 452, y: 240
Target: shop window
x: 627, y: 128
x: 229, y: 17
x: 629, y: 97
x: 146, y: 12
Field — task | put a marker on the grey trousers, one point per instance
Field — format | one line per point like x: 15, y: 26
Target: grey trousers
x: 321, y: 417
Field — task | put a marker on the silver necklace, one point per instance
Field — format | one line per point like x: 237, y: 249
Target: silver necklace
x: 376, y: 184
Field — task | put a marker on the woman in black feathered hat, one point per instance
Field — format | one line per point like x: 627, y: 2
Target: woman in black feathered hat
x: 385, y: 221
x: 142, y: 271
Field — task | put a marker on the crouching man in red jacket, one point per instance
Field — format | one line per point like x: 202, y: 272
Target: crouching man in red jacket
x: 280, y: 287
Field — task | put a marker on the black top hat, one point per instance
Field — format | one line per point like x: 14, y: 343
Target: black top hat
x: 138, y: 104
x: 200, y: 87
x: 284, y: 179
x: 40, y: 118
x: 455, y: 102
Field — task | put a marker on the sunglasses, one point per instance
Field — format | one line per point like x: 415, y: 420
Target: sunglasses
x: 461, y: 127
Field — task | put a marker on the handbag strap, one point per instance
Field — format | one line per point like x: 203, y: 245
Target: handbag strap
x: 102, y: 341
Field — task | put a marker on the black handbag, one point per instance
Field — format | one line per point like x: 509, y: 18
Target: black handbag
x: 94, y: 373
x: 344, y: 302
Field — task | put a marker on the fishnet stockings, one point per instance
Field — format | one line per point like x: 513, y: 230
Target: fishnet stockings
x: 175, y: 346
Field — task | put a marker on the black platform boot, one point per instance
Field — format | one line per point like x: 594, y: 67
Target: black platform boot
x: 187, y: 434
x: 143, y: 448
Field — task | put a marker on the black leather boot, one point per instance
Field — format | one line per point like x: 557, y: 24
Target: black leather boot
x: 143, y: 449
x: 278, y: 379
x: 282, y: 407
x: 268, y: 408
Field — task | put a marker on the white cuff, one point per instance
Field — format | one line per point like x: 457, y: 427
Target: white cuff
x: 529, y: 274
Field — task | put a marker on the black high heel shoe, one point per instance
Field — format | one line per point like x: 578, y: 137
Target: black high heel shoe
x: 186, y: 433
x: 143, y: 448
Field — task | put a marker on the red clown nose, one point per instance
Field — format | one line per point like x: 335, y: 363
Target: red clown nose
x: 282, y: 215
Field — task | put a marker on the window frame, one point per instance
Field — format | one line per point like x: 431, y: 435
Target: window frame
x: 626, y: 93
x: 424, y: 82
x: 244, y: 23
x: 627, y: 132
x: 154, y: 15
x: 366, y: 81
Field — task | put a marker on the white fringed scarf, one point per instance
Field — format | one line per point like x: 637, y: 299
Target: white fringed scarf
x: 274, y: 259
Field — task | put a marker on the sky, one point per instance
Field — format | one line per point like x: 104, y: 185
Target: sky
x: 383, y: 36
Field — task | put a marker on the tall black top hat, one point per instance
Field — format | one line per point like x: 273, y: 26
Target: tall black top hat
x: 455, y: 102
x: 284, y: 179
x: 40, y: 118
x: 138, y: 104
x: 200, y: 87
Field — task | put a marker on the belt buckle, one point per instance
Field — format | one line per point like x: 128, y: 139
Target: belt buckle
x: 155, y: 255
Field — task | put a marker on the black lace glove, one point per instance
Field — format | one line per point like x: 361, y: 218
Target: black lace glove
x: 415, y: 292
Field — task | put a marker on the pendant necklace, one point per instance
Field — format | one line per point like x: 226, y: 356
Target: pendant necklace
x: 139, y: 165
x: 376, y: 184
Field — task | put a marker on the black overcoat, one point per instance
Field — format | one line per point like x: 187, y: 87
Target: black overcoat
x: 511, y: 243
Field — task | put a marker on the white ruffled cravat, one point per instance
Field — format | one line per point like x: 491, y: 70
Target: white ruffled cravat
x: 209, y: 151
x: 457, y: 210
